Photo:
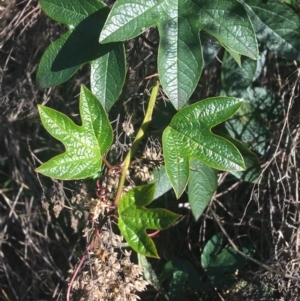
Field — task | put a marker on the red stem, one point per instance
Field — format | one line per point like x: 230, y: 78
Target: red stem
x: 76, y: 271
x: 88, y: 248
x: 153, y: 234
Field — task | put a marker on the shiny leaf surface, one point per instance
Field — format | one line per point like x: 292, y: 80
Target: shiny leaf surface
x: 189, y: 136
x: 135, y: 219
x: 84, y: 144
x: 180, y: 57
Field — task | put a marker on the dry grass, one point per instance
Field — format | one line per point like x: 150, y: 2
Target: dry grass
x: 37, y: 249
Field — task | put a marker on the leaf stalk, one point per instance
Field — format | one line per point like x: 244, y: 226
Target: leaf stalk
x: 138, y: 138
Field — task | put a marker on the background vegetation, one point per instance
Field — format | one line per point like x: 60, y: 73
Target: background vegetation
x: 40, y: 242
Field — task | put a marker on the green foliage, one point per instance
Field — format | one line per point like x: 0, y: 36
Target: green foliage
x: 191, y: 33
x: 277, y: 26
x: 202, y: 186
x: 85, y: 145
x: 79, y: 45
x: 189, y: 136
x: 180, y: 58
x: 134, y: 219
x: 149, y: 273
x: 252, y: 172
x: 162, y: 181
x: 250, y: 123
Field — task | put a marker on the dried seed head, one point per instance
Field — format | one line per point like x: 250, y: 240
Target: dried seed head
x: 128, y: 128
x: 111, y: 278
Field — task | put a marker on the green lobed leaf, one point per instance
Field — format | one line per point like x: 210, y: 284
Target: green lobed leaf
x: 277, y: 26
x: 189, y: 136
x: 135, y: 219
x: 180, y: 57
x: 84, y: 144
x: 79, y: 45
x: 228, y: 22
x: 202, y: 186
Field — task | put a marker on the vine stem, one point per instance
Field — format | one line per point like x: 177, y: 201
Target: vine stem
x: 86, y: 253
x: 138, y: 138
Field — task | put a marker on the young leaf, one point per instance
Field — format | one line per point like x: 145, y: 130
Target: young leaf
x: 189, y: 136
x: 202, y: 185
x: 277, y: 26
x: 134, y: 219
x: 79, y: 46
x: 84, y: 144
x: 180, y: 58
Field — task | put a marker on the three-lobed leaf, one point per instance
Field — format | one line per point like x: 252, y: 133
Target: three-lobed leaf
x: 180, y: 57
x: 79, y: 45
x: 189, y: 136
x: 135, y: 219
x: 84, y: 144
